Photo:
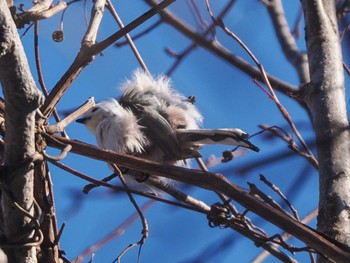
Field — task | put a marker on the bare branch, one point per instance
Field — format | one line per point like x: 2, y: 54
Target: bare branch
x: 294, y: 56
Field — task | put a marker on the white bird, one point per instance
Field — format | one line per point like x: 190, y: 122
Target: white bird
x: 153, y: 121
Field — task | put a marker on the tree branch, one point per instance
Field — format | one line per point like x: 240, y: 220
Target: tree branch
x: 216, y: 183
x: 289, y: 47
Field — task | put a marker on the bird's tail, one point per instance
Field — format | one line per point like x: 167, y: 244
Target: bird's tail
x: 235, y: 137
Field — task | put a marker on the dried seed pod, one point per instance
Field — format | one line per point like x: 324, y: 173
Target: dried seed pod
x: 58, y: 36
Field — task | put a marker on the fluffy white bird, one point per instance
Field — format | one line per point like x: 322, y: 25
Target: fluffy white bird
x: 153, y: 121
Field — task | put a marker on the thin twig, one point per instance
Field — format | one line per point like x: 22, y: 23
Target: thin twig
x: 139, y: 35
x: 223, y: 198
x: 60, y: 232
x: 197, y: 14
x: 41, y: 10
x: 288, y: 44
x: 209, y: 29
x: 278, y: 191
x: 94, y: 24
x: 133, y: 47
x: 254, y: 190
x: 275, y: 130
x: 40, y: 73
x: 138, y: 210
x: 59, y: 157
x: 120, y: 230
x: 244, y: 223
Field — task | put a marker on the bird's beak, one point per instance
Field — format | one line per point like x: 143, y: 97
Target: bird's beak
x: 82, y: 120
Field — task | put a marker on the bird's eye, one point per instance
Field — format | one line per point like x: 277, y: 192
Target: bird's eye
x: 94, y: 109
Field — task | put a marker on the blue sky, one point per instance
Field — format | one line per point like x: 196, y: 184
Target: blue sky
x: 225, y: 96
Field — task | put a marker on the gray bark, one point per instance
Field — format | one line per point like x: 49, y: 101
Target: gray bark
x: 22, y: 99
x: 325, y: 96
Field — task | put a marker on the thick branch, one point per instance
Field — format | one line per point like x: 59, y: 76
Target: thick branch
x: 325, y: 96
x: 22, y: 99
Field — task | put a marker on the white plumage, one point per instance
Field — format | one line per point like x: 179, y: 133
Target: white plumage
x: 153, y: 121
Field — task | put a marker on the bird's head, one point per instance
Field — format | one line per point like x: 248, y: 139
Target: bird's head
x: 93, y: 117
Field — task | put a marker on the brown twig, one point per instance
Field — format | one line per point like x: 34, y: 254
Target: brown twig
x: 197, y: 14
x: 244, y: 226
x: 254, y: 190
x: 59, y: 157
x: 94, y: 23
x: 296, y: 28
x: 141, y: 34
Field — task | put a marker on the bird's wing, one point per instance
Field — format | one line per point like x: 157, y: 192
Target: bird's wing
x: 155, y: 127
